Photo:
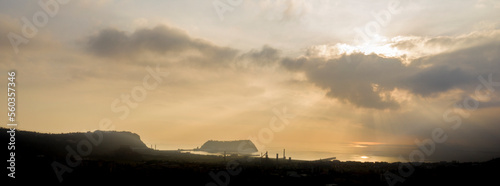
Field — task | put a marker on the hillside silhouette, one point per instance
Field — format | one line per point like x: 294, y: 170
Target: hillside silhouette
x: 123, y: 159
x: 42, y: 144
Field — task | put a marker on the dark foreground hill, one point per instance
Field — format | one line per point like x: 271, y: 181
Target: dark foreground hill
x: 101, y: 142
x: 121, y: 158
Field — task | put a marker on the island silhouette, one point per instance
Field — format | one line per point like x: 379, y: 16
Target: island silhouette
x: 235, y: 146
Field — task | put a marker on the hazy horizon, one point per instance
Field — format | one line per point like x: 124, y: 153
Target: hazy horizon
x: 348, y: 79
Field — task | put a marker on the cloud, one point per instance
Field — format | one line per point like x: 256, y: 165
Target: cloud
x: 109, y: 42
x: 437, y: 79
x: 351, y: 79
x: 425, y: 46
x: 175, y: 44
x: 367, y: 80
x: 266, y: 56
x: 160, y: 40
x: 364, y: 80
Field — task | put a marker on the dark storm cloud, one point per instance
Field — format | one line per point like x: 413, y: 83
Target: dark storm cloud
x: 359, y: 79
x: 167, y: 41
x: 352, y: 79
x: 109, y: 42
x: 437, y: 79
x: 161, y: 40
x: 459, y: 69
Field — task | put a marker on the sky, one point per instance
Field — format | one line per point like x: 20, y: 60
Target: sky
x: 360, y: 80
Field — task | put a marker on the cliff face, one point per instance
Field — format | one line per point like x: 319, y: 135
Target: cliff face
x: 238, y: 146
